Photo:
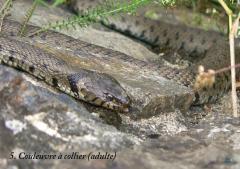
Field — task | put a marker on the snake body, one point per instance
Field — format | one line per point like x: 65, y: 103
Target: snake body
x: 208, y: 48
x: 93, y: 87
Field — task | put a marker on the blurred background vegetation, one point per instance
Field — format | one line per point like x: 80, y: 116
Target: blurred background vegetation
x: 207, y: 7
x: 206, y: 14
x: 203, y: 6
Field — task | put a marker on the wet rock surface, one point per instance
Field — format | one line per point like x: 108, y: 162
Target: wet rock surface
x: 37, y: 118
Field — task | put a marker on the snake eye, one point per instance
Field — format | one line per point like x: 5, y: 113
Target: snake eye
x: 109, y: 97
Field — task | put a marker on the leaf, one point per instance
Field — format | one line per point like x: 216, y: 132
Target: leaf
x: 58, y: 2
x: 27, y: 17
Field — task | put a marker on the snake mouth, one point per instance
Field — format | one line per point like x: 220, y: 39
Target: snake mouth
x: 112, y: 104
x: 100, y: 90
x: 120, y: 103
x: 118, y: 107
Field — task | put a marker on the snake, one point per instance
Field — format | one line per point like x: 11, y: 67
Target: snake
x: 93, y: 87
x: 208, y: 48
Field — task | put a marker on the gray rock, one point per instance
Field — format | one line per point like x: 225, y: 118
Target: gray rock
x: 36, y: 118
x: 138, y: 86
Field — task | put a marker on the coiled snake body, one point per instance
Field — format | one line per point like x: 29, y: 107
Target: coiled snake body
x: 101, y: 89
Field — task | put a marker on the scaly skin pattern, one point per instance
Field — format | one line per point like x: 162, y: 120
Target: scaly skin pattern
x: 102, y: 90
x: 95, y: 88
x: 78, y: 47
x: 183, y: 77
x: 207, y: 48
x: 191, y: 41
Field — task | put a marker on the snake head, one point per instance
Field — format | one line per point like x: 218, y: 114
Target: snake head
x: 99, y: 89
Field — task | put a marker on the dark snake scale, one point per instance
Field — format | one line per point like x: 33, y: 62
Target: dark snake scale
x: 207, y: 48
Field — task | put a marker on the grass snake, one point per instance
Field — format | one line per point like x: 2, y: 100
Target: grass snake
x: 207, y: 48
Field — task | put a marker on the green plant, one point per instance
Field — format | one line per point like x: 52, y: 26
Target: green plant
x: 54, y: 3
x: 58, y: 2
x: 28, y: 15
x: 5, y: 10
x: 109, y: 8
